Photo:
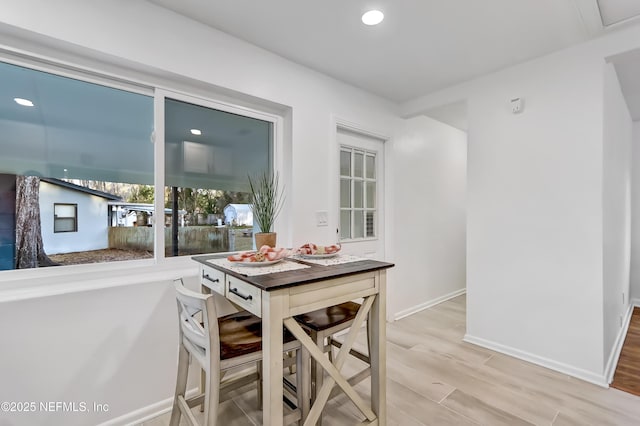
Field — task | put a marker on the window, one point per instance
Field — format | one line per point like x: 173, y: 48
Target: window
x: 70, y: 146
x: 209, y: 154
x: 79, y: 154
x: 65, y: 218
x: 358, y: 183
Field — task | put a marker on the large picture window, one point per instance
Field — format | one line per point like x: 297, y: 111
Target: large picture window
x: 78, y: 158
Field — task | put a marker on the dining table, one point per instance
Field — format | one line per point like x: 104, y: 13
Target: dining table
x: 277, y: 291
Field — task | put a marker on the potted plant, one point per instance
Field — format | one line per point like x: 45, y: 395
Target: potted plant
x: 266, y: 202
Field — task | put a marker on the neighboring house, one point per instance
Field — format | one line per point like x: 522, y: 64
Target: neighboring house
x: 126, y: 214
x: 74, y: 218
x: 138, y: 214
x: 240, y: 213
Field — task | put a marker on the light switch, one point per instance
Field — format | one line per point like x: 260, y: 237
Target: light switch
x: 322, y: 218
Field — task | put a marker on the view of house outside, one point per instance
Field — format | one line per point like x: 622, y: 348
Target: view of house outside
x: 127, y: 212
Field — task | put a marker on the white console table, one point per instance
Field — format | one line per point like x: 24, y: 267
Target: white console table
x: 278, y: 297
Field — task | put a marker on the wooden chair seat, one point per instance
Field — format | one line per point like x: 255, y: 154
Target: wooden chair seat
x: 241, y: 334
x: 323, y: 319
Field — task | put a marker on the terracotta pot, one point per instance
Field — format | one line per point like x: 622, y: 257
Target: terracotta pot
x: 265, y: 238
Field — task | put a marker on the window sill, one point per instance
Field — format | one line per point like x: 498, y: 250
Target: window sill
x: 358, y: 240
x: 53, y: 281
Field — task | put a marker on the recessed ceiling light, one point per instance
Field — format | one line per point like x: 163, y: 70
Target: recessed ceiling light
x: 372, y: 17
x: 196, y: 132
x: 23, y: 102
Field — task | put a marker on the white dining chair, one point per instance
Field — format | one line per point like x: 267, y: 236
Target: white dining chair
x: 221, y: 344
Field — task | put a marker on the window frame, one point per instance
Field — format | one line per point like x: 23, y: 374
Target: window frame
x: 56, y: 218
x: 160, y: 96
x: 352, y: 180
x: 91, y: 67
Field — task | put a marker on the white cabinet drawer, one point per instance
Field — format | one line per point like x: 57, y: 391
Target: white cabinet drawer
x: 244, y: 295
x: 213, y: 279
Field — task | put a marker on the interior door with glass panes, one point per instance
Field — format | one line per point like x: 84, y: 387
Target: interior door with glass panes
x: 361, y: 225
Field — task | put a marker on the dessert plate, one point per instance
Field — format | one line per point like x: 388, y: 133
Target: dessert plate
x: 263, y: 263
x: 318, y: 256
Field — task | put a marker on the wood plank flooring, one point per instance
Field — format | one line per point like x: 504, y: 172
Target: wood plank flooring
x: 434, y: 378
x: 627, y: 376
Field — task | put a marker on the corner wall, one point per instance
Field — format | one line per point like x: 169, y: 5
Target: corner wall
x: 616, y: 207
x: 535, y: 208
x: 635, y: 221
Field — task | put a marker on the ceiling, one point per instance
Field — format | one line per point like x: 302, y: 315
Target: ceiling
x: 617, y: 11
x: 420, y: 47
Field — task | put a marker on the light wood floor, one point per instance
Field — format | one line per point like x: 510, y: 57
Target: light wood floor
x: 436, y: 379
x: 627, y: 377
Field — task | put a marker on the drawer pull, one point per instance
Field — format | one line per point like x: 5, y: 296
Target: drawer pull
x: 207, y: 277
x: 240, y: 295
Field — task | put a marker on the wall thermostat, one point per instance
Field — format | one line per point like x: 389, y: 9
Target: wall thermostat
x: 516, y: 105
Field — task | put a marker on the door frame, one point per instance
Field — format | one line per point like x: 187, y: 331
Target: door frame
x: 338, y: 123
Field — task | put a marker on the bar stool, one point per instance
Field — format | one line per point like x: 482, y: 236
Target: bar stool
x: 221, y: 344
x: 324, y: 324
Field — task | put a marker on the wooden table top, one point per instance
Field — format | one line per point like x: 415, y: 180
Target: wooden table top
x: 314, y: 273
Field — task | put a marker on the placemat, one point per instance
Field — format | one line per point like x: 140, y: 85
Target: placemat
x: 258, y: 270
x: 328, y: 261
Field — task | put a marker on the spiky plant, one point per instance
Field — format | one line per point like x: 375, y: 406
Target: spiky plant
x: 266, y: 199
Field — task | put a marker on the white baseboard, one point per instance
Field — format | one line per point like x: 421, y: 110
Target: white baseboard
x: 428, y: 304
x: 588, y: 376
x: 614, y: 356
x: 144, y: 414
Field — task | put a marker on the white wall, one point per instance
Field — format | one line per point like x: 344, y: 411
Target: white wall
x: 88, y: 345
x: 92, y: 221
x: 115, y: 346
x: 429, y: 195
x: 616, y: 204
x: 535, y: 209
x: 635, y: 210
x: 534, y: 265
